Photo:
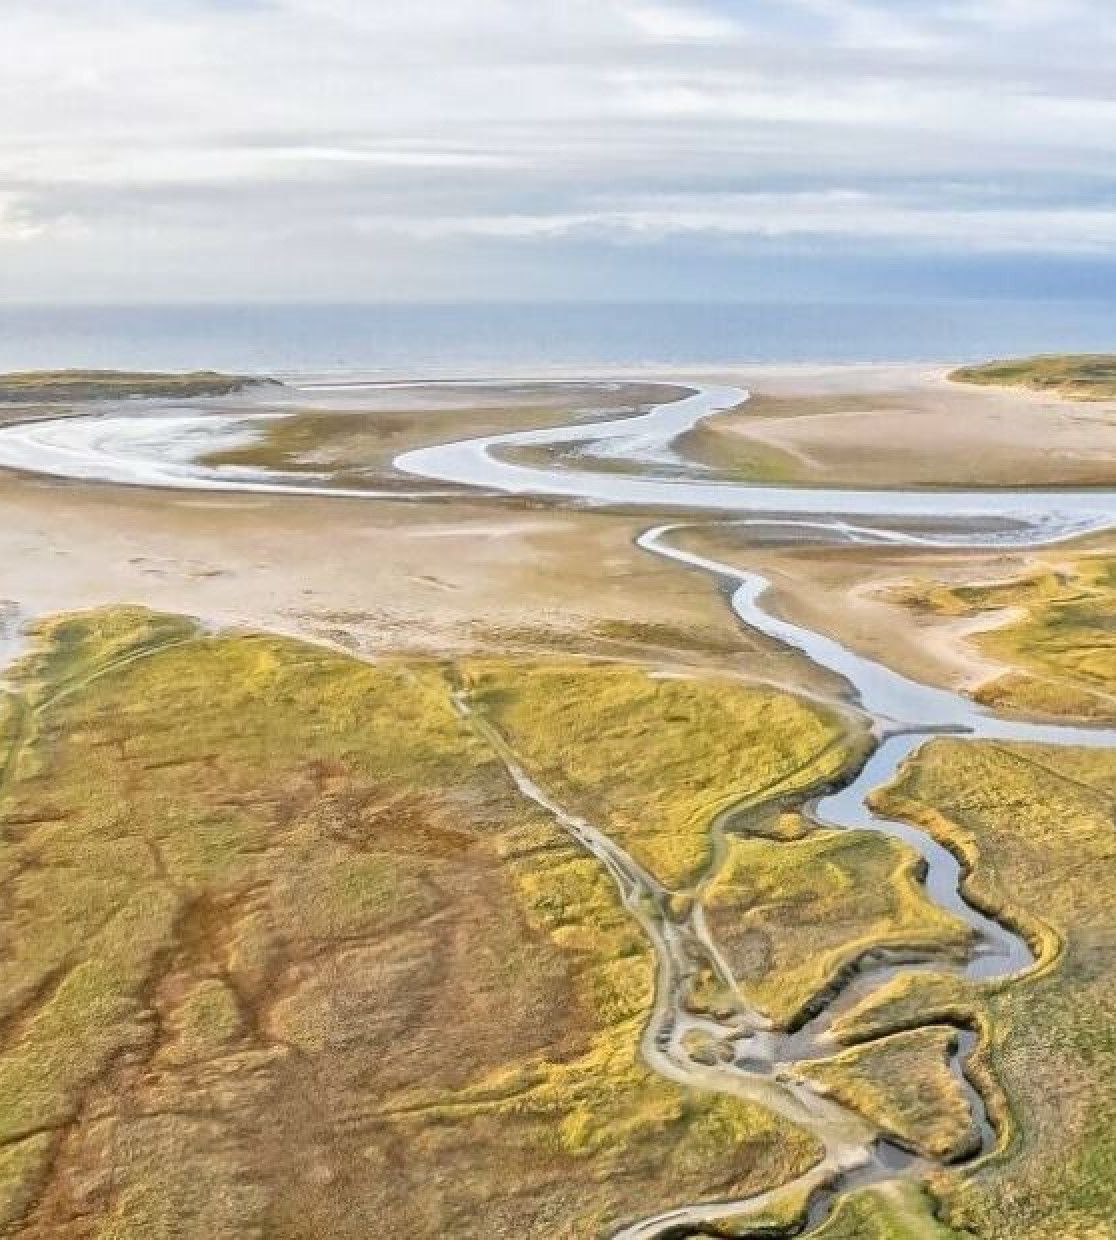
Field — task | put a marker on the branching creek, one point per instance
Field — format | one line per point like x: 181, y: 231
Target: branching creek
x: 753, y: 1058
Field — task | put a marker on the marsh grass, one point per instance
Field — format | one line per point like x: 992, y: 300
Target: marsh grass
x: 88, y: 385
x: 893, y: 1212
x: 903, y: 1083
x: 1036, y: 825
x: 654, y: 760
x: 1080, y: 376
x: 275, y: 914
x: 737, y: 457
x: 1062, y: 650
x: 793, y: 914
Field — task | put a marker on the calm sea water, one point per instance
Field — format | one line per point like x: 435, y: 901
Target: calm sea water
x: 444, y: 339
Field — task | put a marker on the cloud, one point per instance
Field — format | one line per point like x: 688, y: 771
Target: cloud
x: 201, y: 131
x: 17, y: 224
x: 846, y: 214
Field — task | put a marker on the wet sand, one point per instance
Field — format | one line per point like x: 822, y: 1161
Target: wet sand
x: 423, y: 578
x: 475, y: 573
x: 896, y: 425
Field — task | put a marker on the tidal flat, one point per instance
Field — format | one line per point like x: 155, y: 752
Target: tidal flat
x: 458, y: 861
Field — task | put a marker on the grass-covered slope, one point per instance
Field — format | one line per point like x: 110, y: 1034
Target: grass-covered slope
x: 1058, y: 638
x: 1036, y: 825
x: 792, y: 914
x: 1080, y: 376
x: 84, y: 385
x: 284, y: 952
x: 653, y: 760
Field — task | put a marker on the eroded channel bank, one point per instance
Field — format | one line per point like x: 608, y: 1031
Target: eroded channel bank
x: 753, y: 1059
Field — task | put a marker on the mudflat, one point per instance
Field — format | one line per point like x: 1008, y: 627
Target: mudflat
x: 907, y: 426
x: 503, y: 865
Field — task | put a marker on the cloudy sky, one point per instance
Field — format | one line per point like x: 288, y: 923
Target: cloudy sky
x: 614, y: 149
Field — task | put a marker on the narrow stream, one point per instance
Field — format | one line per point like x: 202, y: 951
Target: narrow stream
x: 761, y: 1060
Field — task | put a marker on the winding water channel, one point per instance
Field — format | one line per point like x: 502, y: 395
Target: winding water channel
x: 755, y: 1058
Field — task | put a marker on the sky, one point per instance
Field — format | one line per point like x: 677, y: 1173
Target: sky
x: 381, y: 150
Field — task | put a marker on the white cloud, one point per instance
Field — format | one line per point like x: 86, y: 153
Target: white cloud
x: 17, y: 223
x: 671, y: 23
x: 217, y: 128
x: 830, y: 213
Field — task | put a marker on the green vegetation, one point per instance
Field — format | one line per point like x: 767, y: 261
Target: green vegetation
x: 903, y: 1084
x: 892, y: 1212
x: 1062, y: 644
x: 1080, y: 376
x: 354, y: 447
x: 1036, y: 824
x: 83, y: 385
x: 315, y: 441
x: 273, y: 916
x: 792, y: 914
x: 653, y: 760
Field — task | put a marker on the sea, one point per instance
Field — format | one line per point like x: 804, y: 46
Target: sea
x: 447, y: 339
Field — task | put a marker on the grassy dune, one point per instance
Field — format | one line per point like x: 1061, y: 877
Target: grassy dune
x: 83, y: 385
x: 1062, y: 644
x: 283, y: 949
x: 1080, y: 376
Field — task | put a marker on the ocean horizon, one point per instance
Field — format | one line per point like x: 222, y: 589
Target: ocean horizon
x: 448, y: 338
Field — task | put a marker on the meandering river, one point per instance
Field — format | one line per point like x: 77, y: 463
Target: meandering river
x: 142, y: 448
